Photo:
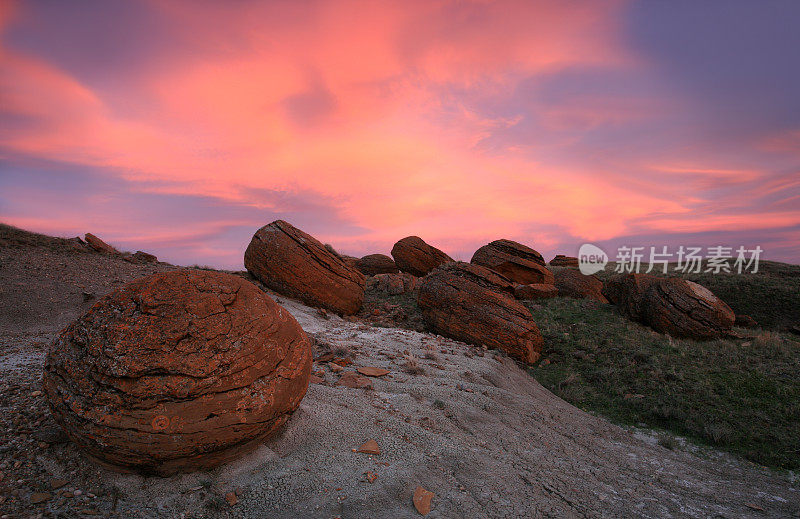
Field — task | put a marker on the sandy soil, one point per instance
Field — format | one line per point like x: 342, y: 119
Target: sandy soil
x: 468, y: 424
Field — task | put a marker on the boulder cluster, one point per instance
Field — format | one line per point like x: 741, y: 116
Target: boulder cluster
x: 182, y: 370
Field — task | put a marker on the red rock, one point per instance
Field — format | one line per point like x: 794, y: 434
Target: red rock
x: 670, y: 305
x: 515, y: 261
x: 144, y: 257
x: 682, y: 308
x: 374, y: 264
x: 295, y: 264
x: 231, y: 498
x: 370, y: 447
x: 745, y: 321
x: 314, y: 379
x: 472, y: 304
x: 571, y: 283
x: 535, y: 291
x: 58, y: 483
x: 392, y: 284
x: 564, y: 261
x: 177, y: 371
x: 352, y: 380
x: 422, y: 500
x: 99, y: 245
x: 372, y: 371
x: 416, y: 257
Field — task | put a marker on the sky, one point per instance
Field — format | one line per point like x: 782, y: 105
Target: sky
x: 181, y: 127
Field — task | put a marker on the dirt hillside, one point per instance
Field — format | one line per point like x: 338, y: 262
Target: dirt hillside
x: 468, y: 424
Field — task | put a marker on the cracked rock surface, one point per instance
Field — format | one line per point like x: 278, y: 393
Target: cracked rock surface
x: 177, y: 371
x: 414, y: 256
x: 296, y: 264
x: 471, y: 303
x: 517, y: 262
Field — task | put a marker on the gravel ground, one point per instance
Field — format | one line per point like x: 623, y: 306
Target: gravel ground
x: 465, y: 423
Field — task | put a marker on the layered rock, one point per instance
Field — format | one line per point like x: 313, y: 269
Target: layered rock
x: 571, y: 283
x: 745, y: 321
x: 682, y: 308
x: 177, y: 371
x: 374, y: 264
x: 535, y: 291
x: 517, y: 262
x: 99, y: 245
x: 674, y: 306
x: 475, y: 305
x: 564, y: 261
x: 392, y: 284
x: 296, y: 264
x: 416, y: 257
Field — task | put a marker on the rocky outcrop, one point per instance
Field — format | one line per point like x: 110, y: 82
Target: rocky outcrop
x: 571, y: 283
x: 99, y: 245
x: 535, y: 291
x: 472, y: 304
x: 177, y: 371
x: 374, y: 264
x: 392, y: 284
x: 296, y: 264
x: 517, y: 262
x: 416, y: 257
x: 674, y: 306
x: 564, y: 261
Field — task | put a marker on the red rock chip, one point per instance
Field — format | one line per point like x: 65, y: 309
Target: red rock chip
x: 370, y: 447
x: 422, y: 500
x: 354, y: 381
x: 373, y: 372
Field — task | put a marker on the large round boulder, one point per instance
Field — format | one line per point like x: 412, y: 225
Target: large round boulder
x: 177, y: 371
x: 517, y: 262
x: 571, y: 283
x: 472, y: 304
x: 674, y: 306
x: 535, y: 291
x: 413, y: 255
x: 374, y: 264
x: 683, y: 308
x: 297, y: 265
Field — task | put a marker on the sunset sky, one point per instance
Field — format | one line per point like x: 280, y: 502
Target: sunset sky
x: 180, y: 128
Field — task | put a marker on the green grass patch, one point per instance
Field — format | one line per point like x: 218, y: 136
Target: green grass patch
x: 742, y: 396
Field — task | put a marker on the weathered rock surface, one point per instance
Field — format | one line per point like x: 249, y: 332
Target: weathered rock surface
x: 177, y: 371
x: 682, y: 308
x: 571, y: 283
x: 141, y: 257
x: 674, y: 306
x: 297, y: 265
x: 99, y: 245
x: 473, y: 304
x: 413, y: 255
x: 392, y: 284
x: 535, y: 291
x: 517, y: 262
x: 564, y: 261
x: 374, y: 264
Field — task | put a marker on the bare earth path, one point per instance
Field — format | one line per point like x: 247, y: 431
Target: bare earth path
x: 472, y: 427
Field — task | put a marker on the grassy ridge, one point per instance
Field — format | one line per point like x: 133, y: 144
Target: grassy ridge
x: 742, y: 396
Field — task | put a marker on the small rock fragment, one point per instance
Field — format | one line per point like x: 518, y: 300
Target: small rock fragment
x: 354, y: 381
x: 370, y: 447
x: 422, y: 500
x: 372, y: 371
x: 40, y: 497
x: 58, y: 483
x: 231, y: 498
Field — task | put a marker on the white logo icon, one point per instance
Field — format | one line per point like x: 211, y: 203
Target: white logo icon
x: 591, y: 259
